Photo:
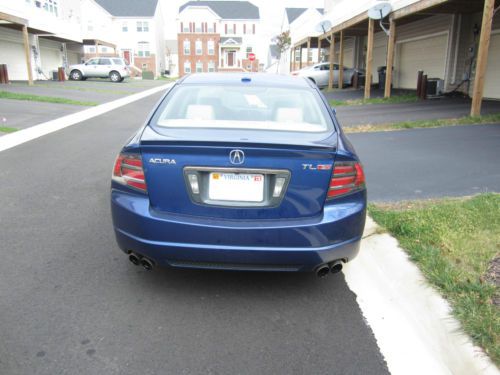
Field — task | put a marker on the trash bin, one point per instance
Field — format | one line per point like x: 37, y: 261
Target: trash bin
x: 382, y: 72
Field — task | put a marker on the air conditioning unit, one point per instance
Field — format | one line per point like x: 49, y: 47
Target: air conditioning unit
x: 435, y: 87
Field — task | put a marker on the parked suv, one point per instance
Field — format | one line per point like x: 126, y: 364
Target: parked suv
x: 114, y: 68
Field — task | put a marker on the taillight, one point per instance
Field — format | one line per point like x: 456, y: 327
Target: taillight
x: 128, y: 171
x: 347, y: 178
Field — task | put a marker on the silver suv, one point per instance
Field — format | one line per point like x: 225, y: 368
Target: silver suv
x: 113, y: 68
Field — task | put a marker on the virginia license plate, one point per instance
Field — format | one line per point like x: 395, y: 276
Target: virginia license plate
x: 236, y: 187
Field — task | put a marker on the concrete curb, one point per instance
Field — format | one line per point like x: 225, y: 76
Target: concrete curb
x: 412, y: 323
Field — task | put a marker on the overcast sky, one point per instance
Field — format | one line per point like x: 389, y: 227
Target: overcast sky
x: 271, y: 13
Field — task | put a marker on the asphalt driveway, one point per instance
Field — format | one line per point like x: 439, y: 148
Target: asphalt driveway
x: 22, y: 114
x: 430, y: 163
x: 71, y: 303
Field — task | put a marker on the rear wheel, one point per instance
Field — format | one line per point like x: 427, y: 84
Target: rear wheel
x: 114, y: 76
x: 76, y: 75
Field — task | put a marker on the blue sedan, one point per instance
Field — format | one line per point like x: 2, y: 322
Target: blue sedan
x: 240, y: 172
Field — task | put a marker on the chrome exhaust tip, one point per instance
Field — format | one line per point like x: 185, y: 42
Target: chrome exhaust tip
x: 134, y: 259
x: 146, y: 264
x: 336, y: 267
x: 322, y: 270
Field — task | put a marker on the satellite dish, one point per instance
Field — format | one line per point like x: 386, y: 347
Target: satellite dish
x: 323, y: 26
x: 379, y: 11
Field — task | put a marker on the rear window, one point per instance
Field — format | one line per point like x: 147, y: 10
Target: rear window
x: 118, y: 62
x: 240, y: 107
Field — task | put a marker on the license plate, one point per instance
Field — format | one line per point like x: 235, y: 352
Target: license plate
x: 236, y: 187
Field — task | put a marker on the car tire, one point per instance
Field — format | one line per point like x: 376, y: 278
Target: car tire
x: 114, y: 76
x: 122, y: 79
x: 76, y: 75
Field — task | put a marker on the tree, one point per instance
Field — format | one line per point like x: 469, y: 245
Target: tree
x: 283, y: 42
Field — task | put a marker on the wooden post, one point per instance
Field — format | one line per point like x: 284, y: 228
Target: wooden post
x: 390, y: 58
x: 292, y: 55
x: 482, y: 58
x: 319, y: 50
x: 300, y: 54
x: 369, y: 59
x: 27, y: 54
x: 341, y: 61
x: 308, y: 49
x: 332, y: 51
x: 96, y: 49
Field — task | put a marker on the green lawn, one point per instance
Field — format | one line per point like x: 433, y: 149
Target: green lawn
x: 405, y: 98
x: 466, y: 120
x: 454, y: 242
x: 6, y: 129
x: 46, y: 99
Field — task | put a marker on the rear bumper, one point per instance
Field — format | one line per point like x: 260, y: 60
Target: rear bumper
x: 273, y: 245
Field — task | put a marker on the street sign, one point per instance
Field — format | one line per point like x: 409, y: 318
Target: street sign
x: 251, y: 56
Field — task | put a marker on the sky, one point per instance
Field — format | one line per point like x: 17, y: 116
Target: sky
x: 271, y: 13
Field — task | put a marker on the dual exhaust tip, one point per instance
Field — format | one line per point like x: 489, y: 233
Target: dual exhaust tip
x: 140, y: 260
x: 333, y: 267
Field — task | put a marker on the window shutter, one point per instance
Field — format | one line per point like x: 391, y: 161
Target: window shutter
x: 215, y: 27
x: 182, y: 27
x: 253, y: 28
x: 226, y: 27
x: 234, y: 30
x: 244, y: 28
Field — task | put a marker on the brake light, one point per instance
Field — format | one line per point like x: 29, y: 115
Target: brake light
x: 348, y: 177
x: 295, y: 73
x: 128, y: 171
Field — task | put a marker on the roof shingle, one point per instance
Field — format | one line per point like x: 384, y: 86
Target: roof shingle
x: 231, y: 10
x: 129, y: 8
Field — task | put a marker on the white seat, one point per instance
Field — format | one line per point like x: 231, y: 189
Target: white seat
x: 200, y: 112
x: 286, y: 114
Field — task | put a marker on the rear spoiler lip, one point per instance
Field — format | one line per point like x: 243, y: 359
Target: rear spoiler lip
x: 221, y: 138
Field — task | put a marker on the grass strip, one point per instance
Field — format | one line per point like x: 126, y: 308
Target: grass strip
x: 396, y: 99
x: 466, y: 120
x: 6, y: 129
x: 456, y: 244
x: 45, y: 99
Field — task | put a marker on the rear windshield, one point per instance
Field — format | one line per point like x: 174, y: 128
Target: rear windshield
x: 240, y: 107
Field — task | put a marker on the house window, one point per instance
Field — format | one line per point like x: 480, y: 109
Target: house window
x: 185, y: 28
x: 229, y: 29
x: 211, y: 47
x: 249, y: 50
x: 104, y: 49
x: 124, y: 27
x: 92, y: 49
x: 187, y: 67
x: 210, y: 28
x: 198, y: 47
x: 297, y: 55
x: 199, y: 67
x: 187, y: 47
x: 143, y: 49
x: 197, y: 27
x: 211, y: 66
x: 142, y: 26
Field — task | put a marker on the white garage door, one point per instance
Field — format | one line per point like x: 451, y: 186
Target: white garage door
x: 12, y: 54
x: 427, y: 54
x: 349, y: 58
x: 492, y: 82
x: 51, y: 60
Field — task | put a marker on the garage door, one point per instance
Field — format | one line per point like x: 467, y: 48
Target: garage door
x: 51, y: 60
x: 12, y: 54
x: 427, y: 54
x: 349, y: 58
x: 492, y: 82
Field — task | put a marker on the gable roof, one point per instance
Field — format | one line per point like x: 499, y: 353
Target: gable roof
x: 129, y: 8
x: 231, y: 10
x: 293, y: 13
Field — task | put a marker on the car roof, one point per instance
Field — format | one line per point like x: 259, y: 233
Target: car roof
x: 256, y: 79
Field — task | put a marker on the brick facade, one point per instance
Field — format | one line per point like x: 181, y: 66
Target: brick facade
x: 193, y: 58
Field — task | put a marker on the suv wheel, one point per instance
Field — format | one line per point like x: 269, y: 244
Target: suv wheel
x: 114, y: 76
x: 76, y: 75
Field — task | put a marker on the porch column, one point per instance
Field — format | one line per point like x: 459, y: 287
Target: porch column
x: 300, y: 54
x: 390, y: 58
x: 332, y: 51
x: 482, y: 58
x: 291, y: 58
x: 308, y: 49
x: 369, y: 59
x: 341, y: 60
x: 27, y: 54
x: 319, y: 50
